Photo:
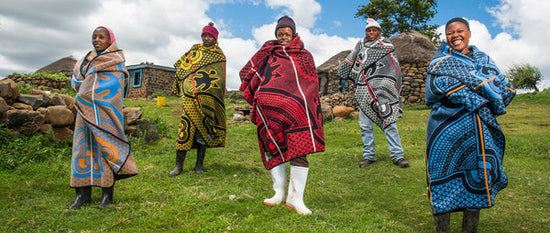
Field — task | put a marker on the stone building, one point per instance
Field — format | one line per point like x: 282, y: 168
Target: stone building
x: 145, y: 79
x: 414, y: 52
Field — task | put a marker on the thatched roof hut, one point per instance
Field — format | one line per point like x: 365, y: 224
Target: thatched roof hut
x: 64, y: 65
x: 327, y: 73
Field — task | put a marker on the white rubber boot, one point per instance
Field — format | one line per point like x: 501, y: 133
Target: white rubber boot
x: 295, y: 199
x: 278, y: 175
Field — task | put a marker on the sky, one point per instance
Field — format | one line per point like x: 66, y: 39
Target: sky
x: 35, y: 33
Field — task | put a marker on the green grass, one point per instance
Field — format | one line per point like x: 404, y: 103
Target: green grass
x: 381, y: 198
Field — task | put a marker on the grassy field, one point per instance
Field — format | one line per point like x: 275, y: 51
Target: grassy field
x: 35, y: 192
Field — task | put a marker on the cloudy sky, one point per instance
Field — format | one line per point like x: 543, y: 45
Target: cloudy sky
x: 34, y: 33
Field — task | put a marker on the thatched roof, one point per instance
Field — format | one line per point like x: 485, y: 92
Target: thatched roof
x: 333, y: 62
x: 64, y: 65
x: 412, y: 47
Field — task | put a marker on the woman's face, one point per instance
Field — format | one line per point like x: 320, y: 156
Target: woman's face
x: 101, y: 39
x: 458, y: 37
x: 284, y: 36
x: 208, y: 40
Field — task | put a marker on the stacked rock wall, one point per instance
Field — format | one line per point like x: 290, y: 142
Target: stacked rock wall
x: 414, y: 76
x: 58, y: 84
x: 54, y: 114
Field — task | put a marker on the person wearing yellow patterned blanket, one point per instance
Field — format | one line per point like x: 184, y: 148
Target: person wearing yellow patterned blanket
x: 101, y: 151
x: 200, y: 82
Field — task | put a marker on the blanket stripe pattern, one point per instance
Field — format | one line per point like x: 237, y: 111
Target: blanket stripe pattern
x: 101, y: 151
x: 281, y: 84
x: 465, y: 144
x: 373, y: 66
x: 200, y: 82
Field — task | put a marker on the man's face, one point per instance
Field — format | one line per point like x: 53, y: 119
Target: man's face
x: 372, y: 33
x: 208, y: 40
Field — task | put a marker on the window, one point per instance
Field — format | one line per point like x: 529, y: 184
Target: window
x: 137, y: 78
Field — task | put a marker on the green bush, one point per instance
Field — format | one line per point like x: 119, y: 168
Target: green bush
x: 18, y: 149
x: 45, y: 75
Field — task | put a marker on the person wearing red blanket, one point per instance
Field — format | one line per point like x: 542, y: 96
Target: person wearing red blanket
x: 280, y: 82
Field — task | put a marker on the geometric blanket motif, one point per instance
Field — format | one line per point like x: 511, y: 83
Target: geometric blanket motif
x: 464, y: 145
x: 101, y: 152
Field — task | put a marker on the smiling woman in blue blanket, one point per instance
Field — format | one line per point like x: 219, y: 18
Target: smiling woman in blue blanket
x: 465, y: 144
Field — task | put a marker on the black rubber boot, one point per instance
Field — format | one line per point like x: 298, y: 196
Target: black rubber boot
x: 442, y: 223
x: 106, y: 197
x: 201, y: 151
x: 83, y: 196
x: 470, y: 221
x: 180, y: 158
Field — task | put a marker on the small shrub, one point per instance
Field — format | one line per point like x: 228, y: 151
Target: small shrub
x: 18, y: 149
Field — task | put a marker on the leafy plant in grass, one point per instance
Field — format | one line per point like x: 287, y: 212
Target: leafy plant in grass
x: 24, y: 89
x: 18, y: 149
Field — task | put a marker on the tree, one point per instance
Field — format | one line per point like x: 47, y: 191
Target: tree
x: 402, y: 16
x: 524, y: 76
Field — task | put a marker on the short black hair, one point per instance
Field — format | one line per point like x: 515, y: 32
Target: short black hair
x: 457, y: 19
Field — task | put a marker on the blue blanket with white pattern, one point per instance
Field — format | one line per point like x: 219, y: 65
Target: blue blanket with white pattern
x: 465, y: 144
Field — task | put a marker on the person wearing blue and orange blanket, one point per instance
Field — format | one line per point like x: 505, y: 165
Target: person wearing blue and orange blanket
x: 200, y: 82
x: 280, y: 82
x: 465, y: 144
x: 101, y: 151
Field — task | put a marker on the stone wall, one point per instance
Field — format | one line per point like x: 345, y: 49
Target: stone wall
x: 159, y: 81
x: 413, y: 86
x: 54, y: 114
x: 57, y: 84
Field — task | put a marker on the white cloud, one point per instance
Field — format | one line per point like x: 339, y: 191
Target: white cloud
x: 303, y: 11
x: 153, y: 31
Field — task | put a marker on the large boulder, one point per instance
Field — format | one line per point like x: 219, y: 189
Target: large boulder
x: 59, y: 116
x: 342, y: 111
x: 131, y: 115
x: 4, y: 107
x: 147, y: 130
x: 45, y: 96
x: 62, y: 134
x: 413, y: 47
x: 25, y: 121
x: 46, y: 128
x: 67, y: 98
x: 9, y: 90
x: 57, y: 100
x: 326, y: 111
x: 22, y: 106
x: 33, y: 100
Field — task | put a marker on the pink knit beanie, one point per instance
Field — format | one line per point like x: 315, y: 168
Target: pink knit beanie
x: 210, y: 29
x: 372, y: 23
